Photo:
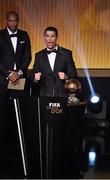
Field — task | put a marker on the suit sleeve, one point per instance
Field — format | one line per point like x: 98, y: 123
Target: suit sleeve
x: 71, y: 71
x: 36, y: 67
x: 27, y: 54
x: 3, y: 70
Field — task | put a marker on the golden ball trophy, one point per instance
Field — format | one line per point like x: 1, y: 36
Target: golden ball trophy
x: 73, y: 86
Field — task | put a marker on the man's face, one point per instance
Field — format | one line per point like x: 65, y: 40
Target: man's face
x: 50, y: 39
x: 12, y: 22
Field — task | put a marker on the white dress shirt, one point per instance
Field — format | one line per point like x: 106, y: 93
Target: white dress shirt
x: 52, y: 57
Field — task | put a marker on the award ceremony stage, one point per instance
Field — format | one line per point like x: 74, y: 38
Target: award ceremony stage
x: 44, y: 137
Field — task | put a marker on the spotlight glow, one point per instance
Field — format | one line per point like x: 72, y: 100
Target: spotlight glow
x: 81, y: 53
x: 89, y: 82
x: 92, y: 157
x: 95, y: 99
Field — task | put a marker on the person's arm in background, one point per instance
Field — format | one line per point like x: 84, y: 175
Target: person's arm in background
x: 27, y: 54
x: 36, y: 74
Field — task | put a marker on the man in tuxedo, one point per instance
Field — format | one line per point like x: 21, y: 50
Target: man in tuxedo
x: 15, y: 56
x: 53, y: 65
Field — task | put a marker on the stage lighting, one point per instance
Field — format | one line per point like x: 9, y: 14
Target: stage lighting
x: 94, y: 99
x: 92, y: 150
x: 96, y: 114
x: 92, y: 157
x: 95, y: 105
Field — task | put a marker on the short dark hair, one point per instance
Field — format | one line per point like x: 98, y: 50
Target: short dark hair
x: 51, y: 28
x: 12, y: 13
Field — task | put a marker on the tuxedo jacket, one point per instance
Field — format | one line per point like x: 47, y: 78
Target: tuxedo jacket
x: 50, y: 83
x: 8, y: 58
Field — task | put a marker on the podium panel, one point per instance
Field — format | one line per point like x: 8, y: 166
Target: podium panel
x: 51, y: 130
x: 29, y: 116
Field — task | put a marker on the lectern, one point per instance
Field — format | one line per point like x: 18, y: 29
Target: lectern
x: 49, y: 135
x: 52, y: 131
x: 58, y: 135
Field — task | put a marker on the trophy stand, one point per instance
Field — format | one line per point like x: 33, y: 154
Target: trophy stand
x: 73, y: 100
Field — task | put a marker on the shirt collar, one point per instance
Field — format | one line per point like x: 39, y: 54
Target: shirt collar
x: 56, y: 47
x: 10, y: 32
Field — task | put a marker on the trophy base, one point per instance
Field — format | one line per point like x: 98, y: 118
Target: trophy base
x: 73, y: 100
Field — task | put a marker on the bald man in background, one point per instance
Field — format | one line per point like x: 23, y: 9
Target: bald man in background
x: 15, y: 57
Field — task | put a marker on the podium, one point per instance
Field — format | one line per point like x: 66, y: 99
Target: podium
x: 50, y: 130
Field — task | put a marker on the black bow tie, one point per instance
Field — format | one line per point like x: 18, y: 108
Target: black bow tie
x: 49, y: 52
x: 13, y: 35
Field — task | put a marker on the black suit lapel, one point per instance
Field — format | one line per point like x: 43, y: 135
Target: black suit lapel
x: 57, y: 60
x: 8, y: 41
x: 18, y: 41
x: 46, y: 62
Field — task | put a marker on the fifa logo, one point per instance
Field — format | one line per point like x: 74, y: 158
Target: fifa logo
x: 54, y: 104
x: 55, y: 108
